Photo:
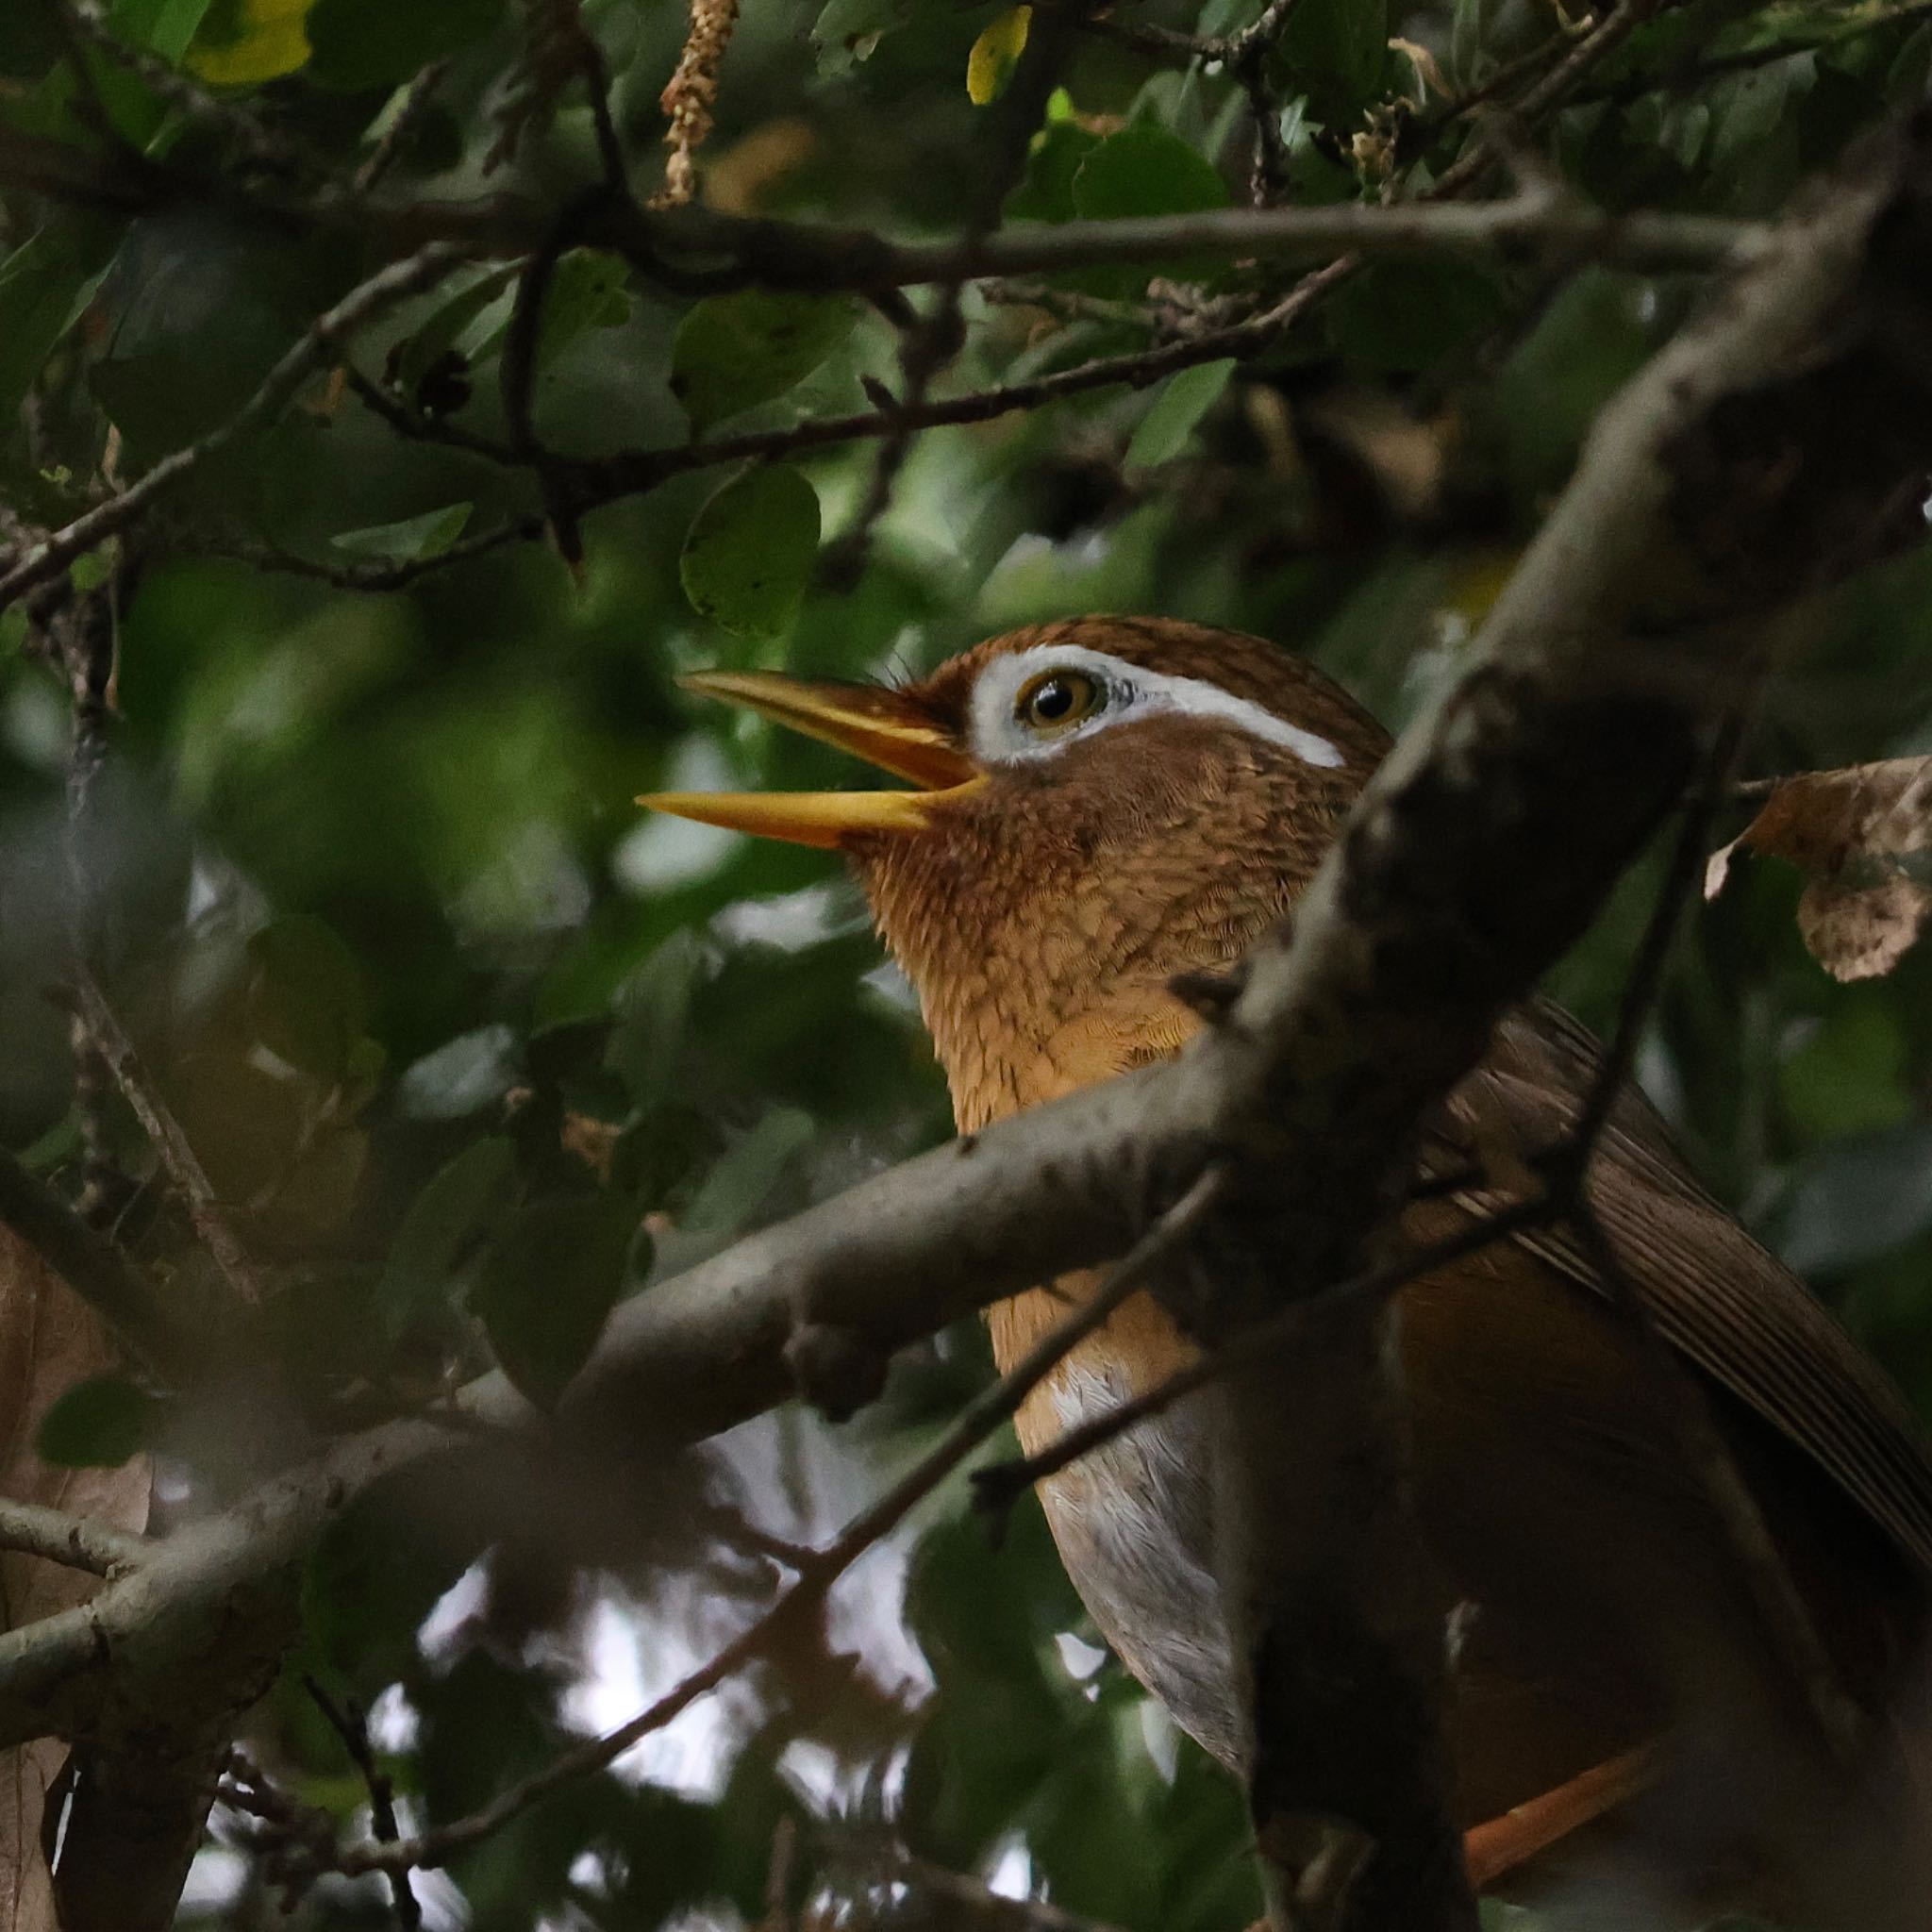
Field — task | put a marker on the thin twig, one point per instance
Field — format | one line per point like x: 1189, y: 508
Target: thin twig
x: 1565, y: 1174
x: 401, y: 126
x: 97, y: 1271
x: 371, y: 575
x: 78, y: 1543
x: 350, y: 1723
x: 177, y: 1155
x: 977, y: 1421
x: 318, y: 346
x: 930, y: 346
x: 973, y: 1898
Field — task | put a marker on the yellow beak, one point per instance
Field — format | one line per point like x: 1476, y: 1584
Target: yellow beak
x: 881, y: 726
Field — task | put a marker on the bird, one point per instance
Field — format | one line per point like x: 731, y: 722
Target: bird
x: 1100, y: 811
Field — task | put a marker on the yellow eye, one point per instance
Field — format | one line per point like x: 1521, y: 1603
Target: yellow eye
x: 1057, y: 699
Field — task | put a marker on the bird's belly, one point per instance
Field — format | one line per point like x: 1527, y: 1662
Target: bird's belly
x: 1567, y: 1551
x: 1132, y: 1522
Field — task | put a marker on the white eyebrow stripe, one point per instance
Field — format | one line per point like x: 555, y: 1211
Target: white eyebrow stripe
x: 1133, y: 691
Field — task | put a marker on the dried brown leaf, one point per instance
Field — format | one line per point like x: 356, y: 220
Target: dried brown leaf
x: 1854, y: 831
x: 49, y: 1339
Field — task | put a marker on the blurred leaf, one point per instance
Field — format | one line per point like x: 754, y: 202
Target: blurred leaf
x: 305, y: 999
x: 1850, y: 1076
x: 654, y: 1017
x: 1143, y: 170
x: 1337, y: 52
x: 247, y: 1123
x: 587, y: 290
x: 97, y: 1424
x: 1052, y: 164
x: 373, y: 1576
x: 412, y: 538
x: 464, y: 1076
x: 995, y: 53
x: 1859, y: 1198
x: 738, y: 1183
x: 166, y: 27
x: 462, y: 1205
x: 732, y: 352
x: 548, y: 1285
x: 846, y: 31
x: 40, y: 291
x: 1400, y: 316
x: 361, y: 44
x: 244, y: 42
x: 750, y: 552
x: 1184, y: 399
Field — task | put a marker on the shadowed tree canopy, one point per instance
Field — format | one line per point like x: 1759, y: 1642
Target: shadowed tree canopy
x: 396, y: 400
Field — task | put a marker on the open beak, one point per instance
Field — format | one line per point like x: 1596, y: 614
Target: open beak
x: 879, y: 725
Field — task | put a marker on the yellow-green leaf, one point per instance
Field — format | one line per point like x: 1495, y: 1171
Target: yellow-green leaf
x: 995, y: 53
x: 258, y: 41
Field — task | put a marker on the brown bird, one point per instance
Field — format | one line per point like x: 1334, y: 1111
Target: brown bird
x: 1107, y: 803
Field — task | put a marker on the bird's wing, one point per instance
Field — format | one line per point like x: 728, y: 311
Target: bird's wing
x: 1715, y: 1294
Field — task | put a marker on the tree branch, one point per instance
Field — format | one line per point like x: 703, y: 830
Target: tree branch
x: 97, y: 1271
x: 75, y: 1541
x: 395, y: 283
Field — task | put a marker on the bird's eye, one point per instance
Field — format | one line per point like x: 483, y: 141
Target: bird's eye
x: 1058, y: 699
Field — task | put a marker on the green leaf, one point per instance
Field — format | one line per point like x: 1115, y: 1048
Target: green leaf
x: 1143, y: 170
x: 749, y: 1170
x: 751, y: 550
x: 1399, y: 316
x: 463, y: 1203
x: 462, y: 1076
x: 1337, y: 52
x: 447, y: 324
x: 412, y: 538
x: 587, y: 290
x: 40, y: 289
x: 97, y: 1424
x: 548, y: 1287
x: 733, y: 352
x: 306, y: 997
x: 362, y: 44
x: 1186, y: 397
x: 166, y: 27
x: 654, y: 1019
x: 1053, y: 165
x: 846, y: 31
x: 244, y: 42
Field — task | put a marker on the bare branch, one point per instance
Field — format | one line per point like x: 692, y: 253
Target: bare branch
x: 323, y: 340
x: 97, y: 1271
x: 178, y: 1157
x: 74, y: 1540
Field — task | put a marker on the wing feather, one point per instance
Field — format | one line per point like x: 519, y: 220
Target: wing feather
x: 1718, y: 1295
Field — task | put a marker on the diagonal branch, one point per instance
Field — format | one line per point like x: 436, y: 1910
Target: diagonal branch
x: 45, y: 560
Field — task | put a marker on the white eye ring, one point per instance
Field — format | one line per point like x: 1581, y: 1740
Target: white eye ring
x: 998, y: 733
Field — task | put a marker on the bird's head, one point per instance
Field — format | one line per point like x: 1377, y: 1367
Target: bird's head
x: 1103, y: 803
